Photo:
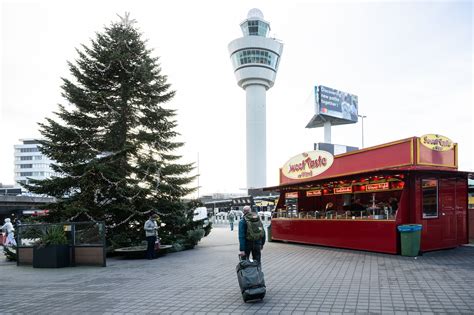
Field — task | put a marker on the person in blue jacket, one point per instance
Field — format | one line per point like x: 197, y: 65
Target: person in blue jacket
x: 247, y: 246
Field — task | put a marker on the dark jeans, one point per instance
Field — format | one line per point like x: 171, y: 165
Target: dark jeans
x: 254, y: 248
x: 231, y: 225
x: 150, y: 249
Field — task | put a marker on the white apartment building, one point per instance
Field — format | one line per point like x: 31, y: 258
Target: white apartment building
x: 30, y: 163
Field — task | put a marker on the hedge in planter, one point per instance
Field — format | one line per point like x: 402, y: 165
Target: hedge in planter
x: 52, y: 250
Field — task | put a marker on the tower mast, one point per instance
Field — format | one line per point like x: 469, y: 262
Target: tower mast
x: 255, y: 58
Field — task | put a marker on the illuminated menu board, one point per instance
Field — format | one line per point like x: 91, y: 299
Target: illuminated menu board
x: 312, y: 193
x: 291, y: 195
x: 378, y: 186
x: 343, y: 190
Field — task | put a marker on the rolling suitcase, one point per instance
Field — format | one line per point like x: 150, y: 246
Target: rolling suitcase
x: 251, y: 282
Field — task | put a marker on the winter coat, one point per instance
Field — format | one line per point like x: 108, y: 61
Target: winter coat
x: 151, y: 228
x: 243, y: 235
x: 231, y: 217
x: 8, y: 226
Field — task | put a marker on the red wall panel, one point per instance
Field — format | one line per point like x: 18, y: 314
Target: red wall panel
x: 376, y: 236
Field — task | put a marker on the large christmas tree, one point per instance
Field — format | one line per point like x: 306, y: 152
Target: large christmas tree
x: 114, y: 142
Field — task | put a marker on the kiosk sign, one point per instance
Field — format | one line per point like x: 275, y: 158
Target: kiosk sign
x: 436, y: 142
x: 307, y: 164
x: 343, y: 190
x: 315, y: 192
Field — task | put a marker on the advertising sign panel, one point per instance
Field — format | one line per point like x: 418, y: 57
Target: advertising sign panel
x: 334, y: 103
x: 307, y: 164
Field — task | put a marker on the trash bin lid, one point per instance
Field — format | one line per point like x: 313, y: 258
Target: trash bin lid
x: 410, y: 227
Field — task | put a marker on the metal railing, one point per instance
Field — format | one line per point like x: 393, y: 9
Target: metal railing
x: 222, y: 218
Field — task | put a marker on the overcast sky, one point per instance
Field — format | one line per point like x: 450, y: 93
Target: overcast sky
x: 410, y: 63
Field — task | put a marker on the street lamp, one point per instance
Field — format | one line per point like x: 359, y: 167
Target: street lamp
x: 362, y: 116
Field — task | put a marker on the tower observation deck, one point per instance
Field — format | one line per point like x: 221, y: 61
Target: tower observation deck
x: 255, y: 58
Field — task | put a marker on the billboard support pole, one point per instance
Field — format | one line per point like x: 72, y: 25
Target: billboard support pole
x: 362, y: 116
x: 327, y: 131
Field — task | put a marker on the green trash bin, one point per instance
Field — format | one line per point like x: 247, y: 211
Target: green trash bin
x: 410, y: 236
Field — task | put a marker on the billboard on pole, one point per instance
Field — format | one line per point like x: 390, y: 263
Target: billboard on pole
x: 335, y: 103
x: 334, y: 106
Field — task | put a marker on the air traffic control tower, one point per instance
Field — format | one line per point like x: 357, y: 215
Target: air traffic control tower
x: 255, y: 58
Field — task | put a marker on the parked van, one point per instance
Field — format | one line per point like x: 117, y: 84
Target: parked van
x: 200, y: 214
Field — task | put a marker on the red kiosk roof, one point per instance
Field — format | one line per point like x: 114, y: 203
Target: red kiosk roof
x: 406, y: 154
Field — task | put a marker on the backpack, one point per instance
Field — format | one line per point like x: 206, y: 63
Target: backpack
x: 255, y: 230
x: 231, y: 216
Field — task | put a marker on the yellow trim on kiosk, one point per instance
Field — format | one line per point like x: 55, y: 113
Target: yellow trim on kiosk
x: 436, y: 164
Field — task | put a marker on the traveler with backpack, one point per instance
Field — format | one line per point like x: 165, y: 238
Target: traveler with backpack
x: 231, y: 218
x: 251, y: 235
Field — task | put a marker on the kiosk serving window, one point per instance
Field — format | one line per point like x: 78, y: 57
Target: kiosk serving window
x: 291, y: 204
x: 429, y: 188
x: 374, y: 197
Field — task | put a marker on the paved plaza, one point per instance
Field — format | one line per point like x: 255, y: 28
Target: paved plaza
x: 300, y: 279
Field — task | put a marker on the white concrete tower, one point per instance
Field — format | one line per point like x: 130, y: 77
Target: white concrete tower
x: 255, y: 59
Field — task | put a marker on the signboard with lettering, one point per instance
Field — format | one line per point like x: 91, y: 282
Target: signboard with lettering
x: 378, y: 186
x: 307, y: 164
x: 343, y: 190
x: 334, y: 103
x: 437, y: 142
x: 291, y: 195
x: 313, y: 193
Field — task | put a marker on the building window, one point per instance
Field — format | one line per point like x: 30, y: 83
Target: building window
x: 26, y: 174
x: 255, y: 56
x: 38, y: 157
x: 429, y: 188
x: 255, y: 28
x: 26, y: 165
x: 23, y: 150
x: 26, y: 158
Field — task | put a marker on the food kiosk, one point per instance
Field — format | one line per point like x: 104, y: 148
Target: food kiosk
x: 357, y: 199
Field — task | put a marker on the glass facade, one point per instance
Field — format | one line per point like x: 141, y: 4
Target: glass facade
x: 255, y: 56
x: 255, y: 28
x: 30, y: 162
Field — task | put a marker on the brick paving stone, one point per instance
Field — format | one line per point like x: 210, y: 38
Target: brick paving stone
x: 300, y: 279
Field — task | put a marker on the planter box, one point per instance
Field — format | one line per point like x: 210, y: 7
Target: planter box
x: 55, y: 256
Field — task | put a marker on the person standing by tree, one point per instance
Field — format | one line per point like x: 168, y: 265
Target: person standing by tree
x: 151, y: 233
x: 251, y: 235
